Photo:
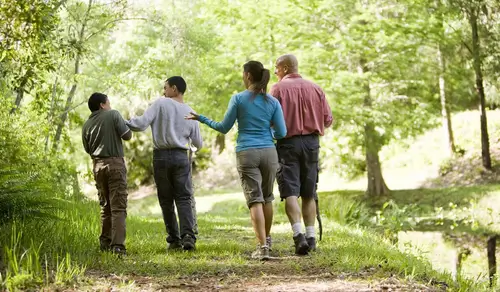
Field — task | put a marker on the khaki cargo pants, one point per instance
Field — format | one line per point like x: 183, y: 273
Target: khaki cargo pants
x: 110, y: 175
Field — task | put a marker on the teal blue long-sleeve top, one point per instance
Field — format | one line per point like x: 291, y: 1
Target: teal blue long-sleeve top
x: 255, y: 115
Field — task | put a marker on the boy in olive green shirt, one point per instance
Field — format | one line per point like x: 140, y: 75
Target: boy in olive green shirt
x: 102, y: 136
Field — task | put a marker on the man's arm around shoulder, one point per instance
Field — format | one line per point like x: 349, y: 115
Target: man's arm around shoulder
x: 127, y: 136
x: 141, y: 123
x: 121, y: 127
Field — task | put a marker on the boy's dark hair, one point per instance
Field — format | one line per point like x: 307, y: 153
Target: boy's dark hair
x: 95, y: 101
x: 260, y: 76
x: 179, y: 82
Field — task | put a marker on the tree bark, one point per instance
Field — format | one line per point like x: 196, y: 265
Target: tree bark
x: 72, y: 92
x: 445, y: 106
x: 476, y: 55
x: 21, y: 89
x: 69, y: 101
x: 492, y: 259
x: 51, y: 110
x: 376, y: 183
x: 19, y: 98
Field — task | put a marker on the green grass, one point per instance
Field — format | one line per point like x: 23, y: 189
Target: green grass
x: 66, y: 248
x: 455, y: 219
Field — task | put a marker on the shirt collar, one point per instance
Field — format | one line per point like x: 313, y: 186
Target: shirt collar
x: 291, y: 76
x: 95, y: 113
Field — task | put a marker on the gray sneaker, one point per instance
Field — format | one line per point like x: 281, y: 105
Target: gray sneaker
x: 261, y: 253
x: 269, y: 243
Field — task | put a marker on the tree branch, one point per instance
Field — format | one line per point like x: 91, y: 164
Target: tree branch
x: 106, y: 26
x: 70, y: 109
x: 463, y: 42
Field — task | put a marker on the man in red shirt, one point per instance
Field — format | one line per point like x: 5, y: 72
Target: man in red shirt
x: 307, y: 114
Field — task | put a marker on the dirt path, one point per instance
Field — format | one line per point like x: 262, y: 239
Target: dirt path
x: 265, y: 283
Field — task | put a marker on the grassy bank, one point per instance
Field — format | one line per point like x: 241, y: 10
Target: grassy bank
x: 64, y: 253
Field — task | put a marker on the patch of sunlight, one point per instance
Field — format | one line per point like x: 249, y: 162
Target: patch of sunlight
x: 329, y: 181
x: 395, y: 178
x: 233, y: 227
x: 281, y: 228
x: 443, y: 255
x: 215, y: 219
x: 205, y: 203
x: 151, y: 210
x: 475, y: 266
x: 149, y: 220
x: 431, y: 246
x: 489, y: 210
x: 312, y: 285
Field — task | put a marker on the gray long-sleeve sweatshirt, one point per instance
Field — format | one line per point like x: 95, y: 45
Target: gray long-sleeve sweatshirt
x: 169, y: 127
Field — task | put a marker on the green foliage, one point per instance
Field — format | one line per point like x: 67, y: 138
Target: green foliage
x: 23, y: 196
x: 202, y: 158
x: 346, y: 211
x: 126, y: 50
x: 139, y: 155
x: 31, y: 179
x: 27, y: 267
x: 27, y: 41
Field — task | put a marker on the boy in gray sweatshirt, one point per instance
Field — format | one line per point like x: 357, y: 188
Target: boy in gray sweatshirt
x: 172, y: 137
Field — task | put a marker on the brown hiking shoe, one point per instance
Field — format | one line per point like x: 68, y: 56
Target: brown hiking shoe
x: 301, y: 246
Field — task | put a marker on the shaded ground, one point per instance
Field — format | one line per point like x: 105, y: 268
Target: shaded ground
x: 320, y: 282
x: 467, y: 170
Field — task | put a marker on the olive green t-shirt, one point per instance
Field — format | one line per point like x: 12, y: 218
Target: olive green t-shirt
x: 102, y: 134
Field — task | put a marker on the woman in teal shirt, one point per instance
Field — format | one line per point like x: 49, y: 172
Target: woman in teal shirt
x: 256, y: 156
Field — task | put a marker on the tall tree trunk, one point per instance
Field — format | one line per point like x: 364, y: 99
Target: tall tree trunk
x: 51, y: 110
x: 492, y: 259
x: 21, y: 89
x: 71, y: 95
x: 445, y: 107
x: 19, y: 98
x: 64, y: 115
x: 376, y: 183
x: 476, y: 55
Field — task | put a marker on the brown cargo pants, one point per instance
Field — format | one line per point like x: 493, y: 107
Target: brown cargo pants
x: 110, y: 175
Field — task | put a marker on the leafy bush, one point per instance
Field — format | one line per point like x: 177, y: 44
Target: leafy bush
x: 31, y: 178
x: 345, y: 210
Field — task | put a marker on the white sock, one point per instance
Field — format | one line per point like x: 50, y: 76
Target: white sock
x: 297, y: 228
x: 310, y: 231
